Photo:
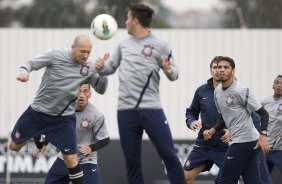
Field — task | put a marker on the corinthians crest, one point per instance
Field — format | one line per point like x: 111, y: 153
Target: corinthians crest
x: 229, y: 100
x: 84, y: 123
x: 147, y: 51
x: 84, y: 70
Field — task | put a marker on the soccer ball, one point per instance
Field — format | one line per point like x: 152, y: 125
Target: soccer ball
x: 104, y: 26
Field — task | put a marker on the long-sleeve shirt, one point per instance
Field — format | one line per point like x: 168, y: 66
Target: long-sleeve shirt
x: 61, y: 81
x: 139, y: 62
x: 203, y: 105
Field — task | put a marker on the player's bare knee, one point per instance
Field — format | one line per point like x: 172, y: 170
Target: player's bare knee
x: 14, y: 147
x: 70, y: 160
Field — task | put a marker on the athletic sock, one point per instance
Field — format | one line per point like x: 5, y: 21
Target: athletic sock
x: 76, y: 174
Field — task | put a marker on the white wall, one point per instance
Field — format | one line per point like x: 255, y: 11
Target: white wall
x: 257, y: 54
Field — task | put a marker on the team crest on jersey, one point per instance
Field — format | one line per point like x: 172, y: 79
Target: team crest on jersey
x: 229, y: 100
x: 84, y: 123
x: 279, y: 108
x: 17, y: 134
x: 84, y: 70
x: 147, y: 51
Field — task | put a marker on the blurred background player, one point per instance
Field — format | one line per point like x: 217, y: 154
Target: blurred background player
x: 139, y: 58
x: 52, y: 110
x: 92, y: 135
x: 205, y: 152
x: 235, y: 103
x: 273, y: 104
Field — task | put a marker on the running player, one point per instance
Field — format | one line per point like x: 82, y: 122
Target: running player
x: 205, y: 152
x: 52, y: 110
x: 235, y: 104
x: 273, y: 104
x: 140, y: 58
x: 92, y: 135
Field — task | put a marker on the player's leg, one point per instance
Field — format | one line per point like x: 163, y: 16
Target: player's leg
x: 157, y: 128
x: 23, y: 129
x: 275, y: 158
x: 67, y: 144
x: 192, y: 174
x: 75, y: 172
x: 237, y: 158
x: 58, y: 173
x: 197, y: 161
x: 131, y: 138
x: 264, y: 173
x: 251, y: 174
x: 217, y: 157
x: 91, y: 174
x: 16, y: 147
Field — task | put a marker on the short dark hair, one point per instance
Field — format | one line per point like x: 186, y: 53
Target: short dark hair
x: 229, y: 60
x: 215, y: 60
x: 142, y: 12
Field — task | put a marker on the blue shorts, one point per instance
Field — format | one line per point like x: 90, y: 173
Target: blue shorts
x: 206, y: 156
x: 59, y: 130
x: 59, y: 173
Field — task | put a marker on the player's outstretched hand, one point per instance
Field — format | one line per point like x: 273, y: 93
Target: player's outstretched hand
x: 226, y: 136
x: 196, y: 125
x: 100, y: 62
x: 38, y: 152
x: 262, y: 143
x: 208, y: 133
x: 23, y: 77
x: 166, y: 65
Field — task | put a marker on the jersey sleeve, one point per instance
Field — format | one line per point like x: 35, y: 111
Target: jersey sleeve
x: 248, y: 100
x: 192, y: 113
x: 99, y: 83
x: 40, y: 61
x: 216, y: 101
x: 99, y: 130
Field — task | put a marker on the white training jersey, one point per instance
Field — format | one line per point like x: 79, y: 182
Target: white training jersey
x: 236, y: 104
x: 273, y: 105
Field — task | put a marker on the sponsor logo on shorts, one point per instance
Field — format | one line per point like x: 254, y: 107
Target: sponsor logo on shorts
x: 93, y: 170
x: 229, y: 158
x: 17, y: 134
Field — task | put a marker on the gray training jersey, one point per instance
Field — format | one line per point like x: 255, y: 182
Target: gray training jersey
x: 236, y: 104
x: 90, y: 128
x: 61, y: 80
x: 139, y: 62
x: 273, y: 105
